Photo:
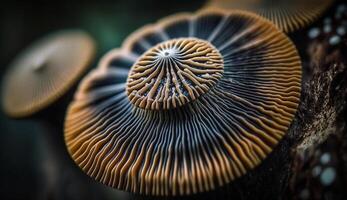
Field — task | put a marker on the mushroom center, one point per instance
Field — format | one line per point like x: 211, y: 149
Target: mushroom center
x: 39, y: 63
x: 174, y: 73
x: 41, y: 60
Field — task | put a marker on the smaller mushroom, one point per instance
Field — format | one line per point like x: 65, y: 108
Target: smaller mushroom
x: 45, y: 71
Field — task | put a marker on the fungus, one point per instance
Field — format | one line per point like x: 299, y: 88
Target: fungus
x: 288, y: 16
x: 174, y: 73
x: 44, y: 72
x: 186, y: 105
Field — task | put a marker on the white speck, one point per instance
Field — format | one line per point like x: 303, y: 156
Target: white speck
x: 327, y: 28
x: 206, y: 75
x: 313, y: 33
x: 170, y: 52
x: 325, y: 158
x: 334, y: 40
x: 328, y: 176
x: 305, y: 194
x: 341, y: 30
x: 316, y: 171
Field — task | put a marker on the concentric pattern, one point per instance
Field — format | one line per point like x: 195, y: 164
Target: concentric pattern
x: 174, y: 73
x: 208, y: 142
x: 288, y: 15
x: 45, y: 71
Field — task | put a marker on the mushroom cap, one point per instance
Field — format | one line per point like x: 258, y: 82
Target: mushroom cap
x: 288, y: 16
x: 202, y: 144
x: 174, y: 73
x: 45, y: 71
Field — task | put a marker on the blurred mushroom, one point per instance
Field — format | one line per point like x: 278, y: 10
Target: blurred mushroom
x: 289, y: 16
x: 45, y: 71
x: 186, y: 105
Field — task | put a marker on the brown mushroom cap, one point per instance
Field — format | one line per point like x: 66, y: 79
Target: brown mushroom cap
x: 174, y: 73
x: 229, y: 128
x: 288, y: 15
x: 45, y: 71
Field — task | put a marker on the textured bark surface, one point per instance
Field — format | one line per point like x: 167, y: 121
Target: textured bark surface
x: 318, y: 157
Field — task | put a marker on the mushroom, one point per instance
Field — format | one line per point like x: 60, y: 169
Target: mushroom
x: 289, y: 16
x: 186, y: 105
x: 45, y: 71
x: 179, y: 71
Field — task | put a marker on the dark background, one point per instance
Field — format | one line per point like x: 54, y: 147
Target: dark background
x: 33, y: 161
